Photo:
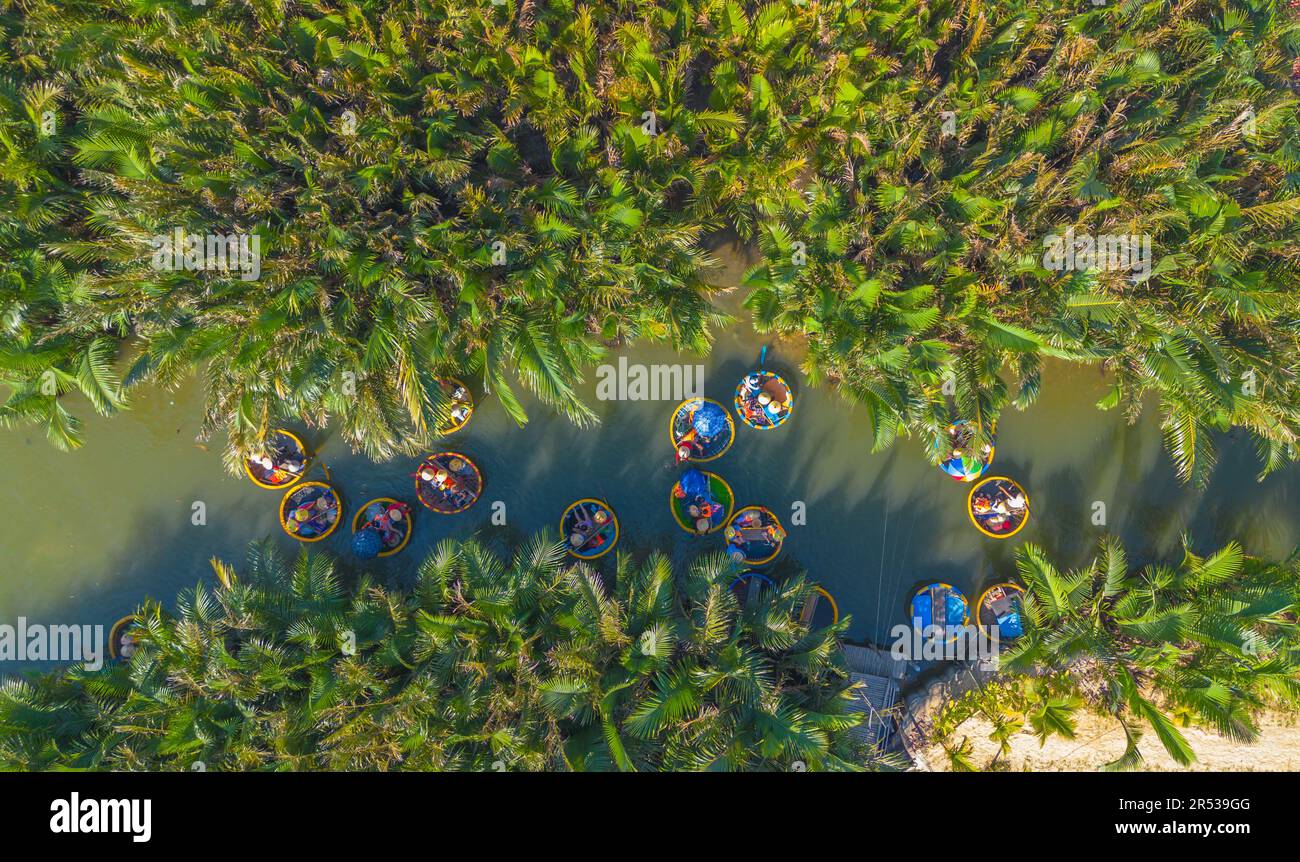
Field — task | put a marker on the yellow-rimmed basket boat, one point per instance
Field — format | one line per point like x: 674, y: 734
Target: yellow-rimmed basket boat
x: 694, y: 414
x: 1001, y: 605
x: 998, y: 507
x: 283, y: 447
x: 813, y: 605
x: 303, y: 516
x: 116, y: 633
x: 754, y: 536
x: 966, y: 469
x: 454, y: 483
x: 721, y: 498
x: 365, y: 517
x: 955, y: 608
x: 462, y: 404
x: 764, y: 400
x: 749, y: 585
x: 589, y: 528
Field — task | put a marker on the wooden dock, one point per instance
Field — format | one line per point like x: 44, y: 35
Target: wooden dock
x: 877, y: 676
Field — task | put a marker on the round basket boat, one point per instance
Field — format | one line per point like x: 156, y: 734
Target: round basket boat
x: 702, y: 428
x: 961, y: 467
x: 954, y: 609
x: 764, y: 400
x: 119, y: 631
x: 815, y: 608
x: 998, y: 507
x: 590, y: 528
x: 708, y: 494
x: 289, y: 461
x: 749, y: 584
x: 460, y: 404
x: 754, y: 536
x: 1002, y: 605
x: 388, y: 519
x: 448, y: 482
x: 311, y: 511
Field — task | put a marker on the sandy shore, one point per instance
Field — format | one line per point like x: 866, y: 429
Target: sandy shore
x: 1099, y: 740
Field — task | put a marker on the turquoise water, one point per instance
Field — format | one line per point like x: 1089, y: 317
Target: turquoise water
x: 85, y: 535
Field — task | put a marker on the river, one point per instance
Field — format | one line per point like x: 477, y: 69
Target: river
x: 87, y: 534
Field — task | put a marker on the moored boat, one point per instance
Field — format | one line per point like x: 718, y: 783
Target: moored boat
x: 121, y: 642
x: 750, y: 585
x: 820, y: 610
x: 939, y: 604
x: 1002, y: 605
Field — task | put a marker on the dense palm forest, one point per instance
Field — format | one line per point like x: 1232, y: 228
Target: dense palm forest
x: 538, y: 663
x: 1210, y: 642
x: 505, y: 190
x: 529, y: 663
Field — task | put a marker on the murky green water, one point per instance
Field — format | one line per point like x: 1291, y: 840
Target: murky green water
x: 85, y: 535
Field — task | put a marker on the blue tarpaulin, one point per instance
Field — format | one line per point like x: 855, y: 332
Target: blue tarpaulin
x: 954, y: 606
x: 710, y: 420
x: 695, y: 484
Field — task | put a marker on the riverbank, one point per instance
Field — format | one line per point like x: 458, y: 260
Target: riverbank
x: 1100, y: 740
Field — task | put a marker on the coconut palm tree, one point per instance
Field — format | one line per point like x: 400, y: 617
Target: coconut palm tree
x: 925, y: 213
x: 500, y: 194
x: 1210, y: 641
x: 526, y: 663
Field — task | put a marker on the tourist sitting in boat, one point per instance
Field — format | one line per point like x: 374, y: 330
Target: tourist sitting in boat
x: 701, y: 430
x: 763, y: 400
x: 448, y: 482
x: 282, y: 463
x: 462, y: 405
x: 122, y: 642
x: 310, y: 512
x: 962, y: 462
x: 999, y: 507
x: 696, y: 497
x: 590, y: 528
x: 754, y: 536
x: 390, y: 520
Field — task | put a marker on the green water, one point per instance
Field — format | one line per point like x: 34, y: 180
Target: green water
x: 85, y: 535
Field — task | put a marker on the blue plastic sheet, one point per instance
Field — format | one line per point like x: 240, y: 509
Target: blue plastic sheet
x: 710, y: 420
